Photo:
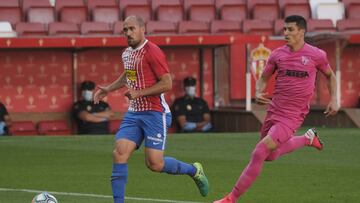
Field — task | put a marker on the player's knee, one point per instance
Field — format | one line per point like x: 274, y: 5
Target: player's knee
x: 119, y: 156
x: 155, y: 166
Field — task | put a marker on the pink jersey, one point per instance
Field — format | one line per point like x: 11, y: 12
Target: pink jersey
x: 144, y: 66
x: 295, y: 81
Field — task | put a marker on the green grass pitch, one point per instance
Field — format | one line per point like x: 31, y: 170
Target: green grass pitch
x: 79, y: 167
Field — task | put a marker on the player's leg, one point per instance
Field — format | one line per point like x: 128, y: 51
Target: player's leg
x: 254, y: 167
x: 155, y: 139
x: 310, y: 138
x: 128, y: 138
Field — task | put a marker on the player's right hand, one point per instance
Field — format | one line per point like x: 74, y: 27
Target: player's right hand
x: 100, y: 93
x: 260, y: 98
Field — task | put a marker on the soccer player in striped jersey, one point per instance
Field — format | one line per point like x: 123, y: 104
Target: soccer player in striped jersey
x: 296, y: 64
x: 146, y: 76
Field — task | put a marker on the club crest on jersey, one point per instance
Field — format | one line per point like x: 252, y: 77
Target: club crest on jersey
x: 131, y: 75
x: 304, y: 60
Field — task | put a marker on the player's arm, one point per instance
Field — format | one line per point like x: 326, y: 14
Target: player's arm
x: 164, y: 84
x: 89, y: 117
x: 105, y: 114
x: 333, y: 107
x: 104, y: 90
x: 260, y: 95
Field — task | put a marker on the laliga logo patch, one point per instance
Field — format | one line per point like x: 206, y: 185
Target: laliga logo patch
x: 304, y: 60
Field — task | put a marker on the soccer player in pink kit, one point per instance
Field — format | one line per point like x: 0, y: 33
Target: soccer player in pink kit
x: 146, y: 76
x: 296, y: 64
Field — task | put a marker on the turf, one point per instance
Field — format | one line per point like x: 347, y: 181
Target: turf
x: 82, y: 164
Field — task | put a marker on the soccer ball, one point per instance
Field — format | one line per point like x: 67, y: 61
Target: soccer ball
x: 44, y: 197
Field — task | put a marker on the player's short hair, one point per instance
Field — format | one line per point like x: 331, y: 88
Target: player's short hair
x: 299, y: 20
x: 87, y: 85
x: 138, y: 19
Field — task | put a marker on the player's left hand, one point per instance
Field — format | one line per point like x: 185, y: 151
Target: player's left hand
x: 332, y: 108
x: 132, y: 94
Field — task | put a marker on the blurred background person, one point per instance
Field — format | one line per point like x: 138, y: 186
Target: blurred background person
x: 5, y: 120
x: 91, y: 118
x: 191, y: 113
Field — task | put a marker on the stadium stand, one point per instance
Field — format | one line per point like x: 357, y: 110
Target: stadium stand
x: 139, y: 7
x: 31, y: 29
x: 56, y: 127
x: 295, y: 7
x: 106, y: 15
x: 264, y: 9
x: 352, y: 8
x: 13, y: 15
x: 348, y: 26
x: 63, y: 29
x: 118, y: 28
x: 73, y: 15
x: 165, y: 8
x: 261, y: 27
x: 204, y: 13
x: 44, y: 15
x: 194, y: 27
x: 26, y: 4
x: 161, y: 27
x: 23, y: 128
x: 95, y: 28
x: 320, y: 25
x: 92, y: 4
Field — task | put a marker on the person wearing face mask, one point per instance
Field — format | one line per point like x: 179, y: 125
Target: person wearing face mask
x: 91, y: 118
x: 191, y: 113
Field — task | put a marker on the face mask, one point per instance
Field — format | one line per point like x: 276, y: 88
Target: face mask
x: 87, y: 95
x: 190, y: 91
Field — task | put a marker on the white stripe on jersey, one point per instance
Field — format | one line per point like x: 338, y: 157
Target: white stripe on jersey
x: 164, y: 129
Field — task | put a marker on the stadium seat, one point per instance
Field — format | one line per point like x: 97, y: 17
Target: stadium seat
x: 26, y: 4
x: 23, y: 128
x: 279, y: 27
x: 140, y: 7
x: 6, y: 30
x: 333, y: 11
x: 320, y: 25
x: 352, y: 8
x: 223, y: 26
x: 295, y: 7
x: 204, y: 13
x: 13, y: 15
x: 118, y: 28
x: 95, y: 28
x: 194, y: 27
x: 236, y: 12
x: 44, y: 15
x: 114, y: 125
x: 9, y: 3
x: 260, y: 27
x: 175, y: 11
x: 106, y: 15
x: 73, y: 15
x: 348, y: 26
x: 59, y: 4
x: 63, y: 29
x: 31, y: 29
x: 100, y: 3
x: 264, y: 10
x: 56, y: 127
x: 161, y: 28
x: 189, y: 3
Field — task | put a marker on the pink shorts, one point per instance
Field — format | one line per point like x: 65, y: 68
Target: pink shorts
x: 278, y: 130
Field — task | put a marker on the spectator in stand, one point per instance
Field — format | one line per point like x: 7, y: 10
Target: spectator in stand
x: 91, y: 118
x: 191, y: 113
x: 5, y: 120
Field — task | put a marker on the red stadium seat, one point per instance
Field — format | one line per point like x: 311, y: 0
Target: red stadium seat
x: 279, y: 27
x: 352, y: 8
x: 106, y: 14
x: 73, y: 15
x: 320, y: 25
x: 157, y: 3
x: 160, y: 27
x: 189, y: 3
x: 63, y: 29
x: 58, y: 127
x: 204, y: 13
x: 266, y: 12
x: 9, y: 3
x: 114, y: 125
x: 31, y: 29
x: 234, y: 12
x: 194, y: 27
x: 43, y: 15
x: 220, y: 3
x: 297, y: 9
x: 222, y: 26
x: 100, y: 3
x: 143, y: 11
x: 95, y: 28
x: 260, y: 27
x: 175, y: 11
x: 12, y: 15
x: 59, y: 4
x: 26, y: 4
x: 23, y: 128
x: 348, y: 26
x: 118, y: 28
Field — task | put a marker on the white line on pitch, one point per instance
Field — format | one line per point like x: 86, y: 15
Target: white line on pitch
x: 93, y: 195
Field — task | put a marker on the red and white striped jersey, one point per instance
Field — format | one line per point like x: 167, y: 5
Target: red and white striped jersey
x: 143, y: 67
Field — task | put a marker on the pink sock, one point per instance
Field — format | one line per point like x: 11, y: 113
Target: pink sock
x: 252, y: 170
x: 292, y: 144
